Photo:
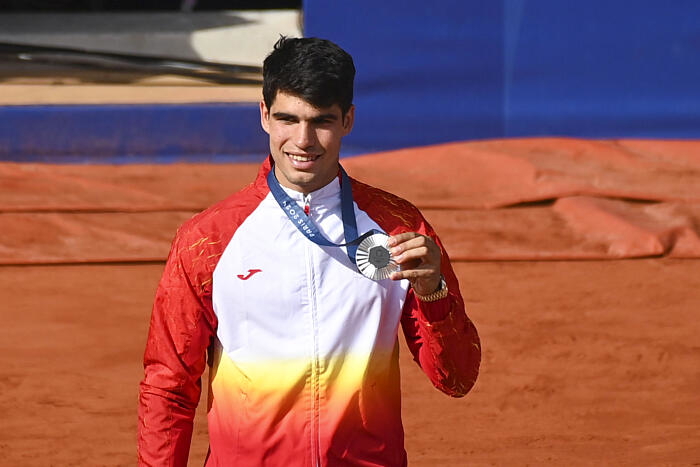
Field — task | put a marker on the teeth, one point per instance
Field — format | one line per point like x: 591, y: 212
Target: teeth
x: 301, y: 158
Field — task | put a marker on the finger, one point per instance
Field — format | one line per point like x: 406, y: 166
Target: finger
x: 423, y: 250
x: 416, y: 268
x: 402, y: 237
x: 412, y: 240
x: 408, y: 265
x: 421, y: 254
x: 414, y: 274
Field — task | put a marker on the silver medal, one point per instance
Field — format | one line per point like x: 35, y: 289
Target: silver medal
x: 373, y: 258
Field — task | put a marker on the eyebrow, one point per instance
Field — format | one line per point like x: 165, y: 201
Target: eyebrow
x: 316, y: 119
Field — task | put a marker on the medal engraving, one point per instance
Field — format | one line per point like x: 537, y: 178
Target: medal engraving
x: 373, y: 258
x: 379, y: 257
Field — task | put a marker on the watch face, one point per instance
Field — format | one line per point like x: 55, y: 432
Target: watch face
x: 373, y: 258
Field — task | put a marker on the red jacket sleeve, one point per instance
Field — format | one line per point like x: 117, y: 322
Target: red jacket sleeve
x: 442, y: 339
x: 182, y: 327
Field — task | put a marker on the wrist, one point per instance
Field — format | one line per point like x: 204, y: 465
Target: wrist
x: 438, y: 294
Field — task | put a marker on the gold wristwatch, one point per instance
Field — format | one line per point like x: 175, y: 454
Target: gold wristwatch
x: 440, y: 293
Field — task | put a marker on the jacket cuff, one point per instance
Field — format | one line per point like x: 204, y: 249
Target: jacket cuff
x: 436, y: 314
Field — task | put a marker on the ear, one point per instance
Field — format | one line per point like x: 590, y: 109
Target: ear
x: 264, y: 117
x: 348, y: 120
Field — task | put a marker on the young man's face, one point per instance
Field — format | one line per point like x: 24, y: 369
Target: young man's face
x: 304, y: 140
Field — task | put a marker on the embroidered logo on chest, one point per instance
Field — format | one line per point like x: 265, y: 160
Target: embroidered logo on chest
x: 251, y: 272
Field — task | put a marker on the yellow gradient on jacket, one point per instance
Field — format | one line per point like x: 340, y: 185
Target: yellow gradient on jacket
x: 279, y: 404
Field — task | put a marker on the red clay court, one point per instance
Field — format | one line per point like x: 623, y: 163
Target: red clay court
x: 579, y: 261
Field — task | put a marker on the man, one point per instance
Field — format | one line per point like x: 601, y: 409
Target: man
x: 302, y: 347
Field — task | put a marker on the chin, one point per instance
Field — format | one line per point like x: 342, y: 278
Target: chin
x: 301, y: 181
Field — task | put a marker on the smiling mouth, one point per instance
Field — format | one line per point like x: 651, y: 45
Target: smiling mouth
x: 302, y: 158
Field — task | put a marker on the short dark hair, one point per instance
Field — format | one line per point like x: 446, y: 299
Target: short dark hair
x: 317, y: 70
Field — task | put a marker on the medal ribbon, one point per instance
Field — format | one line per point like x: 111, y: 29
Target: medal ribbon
x: 308, y: 227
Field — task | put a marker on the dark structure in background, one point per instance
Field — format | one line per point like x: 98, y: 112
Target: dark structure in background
x: 145, y: 5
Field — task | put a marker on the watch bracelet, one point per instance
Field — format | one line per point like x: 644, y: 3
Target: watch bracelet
x: 435, y: 296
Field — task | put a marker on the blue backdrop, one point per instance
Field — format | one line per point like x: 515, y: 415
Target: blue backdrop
x: 132, y: 133
x: 454, y: 70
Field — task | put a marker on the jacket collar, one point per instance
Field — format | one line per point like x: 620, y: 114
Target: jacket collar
x: 326, y: 193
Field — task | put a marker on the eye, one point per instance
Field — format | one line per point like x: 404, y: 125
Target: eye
x: 286, y: 119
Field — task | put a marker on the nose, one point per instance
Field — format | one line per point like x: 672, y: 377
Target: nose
x: 305, y: 136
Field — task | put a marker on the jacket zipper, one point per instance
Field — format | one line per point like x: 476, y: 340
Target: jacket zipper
x: 315, y: 372
x: 307, y: 205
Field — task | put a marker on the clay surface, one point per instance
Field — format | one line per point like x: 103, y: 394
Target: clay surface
x: 589, y: 362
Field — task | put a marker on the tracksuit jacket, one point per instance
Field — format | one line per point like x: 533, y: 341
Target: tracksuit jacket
x: 302, y: 348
